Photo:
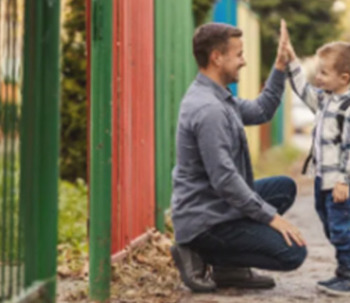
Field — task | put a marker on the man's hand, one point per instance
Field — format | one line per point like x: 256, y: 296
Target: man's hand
x: 282, y: 54
x: 289, y: 47
x: 288, y: 231
x: 340, y: 193
x: 285, y: 52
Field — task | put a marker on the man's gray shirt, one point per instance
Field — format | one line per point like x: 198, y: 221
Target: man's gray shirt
x: 213, y: 179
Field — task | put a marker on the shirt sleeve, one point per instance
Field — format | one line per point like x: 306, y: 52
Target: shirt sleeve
x: 218, y: 148
x: 305, y: 91
x: 263, y: 108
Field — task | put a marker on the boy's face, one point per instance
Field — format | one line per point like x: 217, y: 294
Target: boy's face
x: 328, y: 78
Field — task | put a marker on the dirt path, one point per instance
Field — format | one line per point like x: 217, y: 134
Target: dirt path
x: 297, y: 286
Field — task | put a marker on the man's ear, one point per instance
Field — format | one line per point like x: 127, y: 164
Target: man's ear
x: 216, y: 57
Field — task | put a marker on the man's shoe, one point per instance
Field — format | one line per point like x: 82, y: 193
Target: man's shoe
x: 192, y: 269
x: 241, y: 278
x: 340, y: 288
x: 329, y: 281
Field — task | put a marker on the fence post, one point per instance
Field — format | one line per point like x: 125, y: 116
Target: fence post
x: 100, y: 149
x: 40, y: 143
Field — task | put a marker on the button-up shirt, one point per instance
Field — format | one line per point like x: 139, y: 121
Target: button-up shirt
x: 213, y: 179
x: 331, y: 145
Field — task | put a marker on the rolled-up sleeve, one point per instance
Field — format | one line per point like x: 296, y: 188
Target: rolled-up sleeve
x: 263, y: 108
x: 218, y: 143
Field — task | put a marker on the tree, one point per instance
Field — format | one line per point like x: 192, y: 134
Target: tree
x: 73, y: 159
x: 201, y: 9
x: 311, y: 23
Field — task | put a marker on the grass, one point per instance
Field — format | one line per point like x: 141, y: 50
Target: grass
x: 72, y: 226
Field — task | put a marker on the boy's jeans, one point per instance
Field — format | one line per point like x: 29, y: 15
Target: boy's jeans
x: 336, y: 222
x: 247, y: 243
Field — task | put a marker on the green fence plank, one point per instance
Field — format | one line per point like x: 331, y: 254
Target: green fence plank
x: 174, y: 68
x: 12, y: 168
x: 29, y: 197
x: 101, y: 150
x: 277, y: 126
x: 40, y: 143
x: 7, y: 156
x: 163, y: 78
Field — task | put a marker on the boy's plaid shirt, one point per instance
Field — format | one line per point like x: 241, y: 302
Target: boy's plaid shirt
x: 333, y: 143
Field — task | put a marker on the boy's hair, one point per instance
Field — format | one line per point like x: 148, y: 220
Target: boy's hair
x: 211, y: 36
x: 341, y: 52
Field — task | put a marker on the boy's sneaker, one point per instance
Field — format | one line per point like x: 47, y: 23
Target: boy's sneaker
x: 339, y: 287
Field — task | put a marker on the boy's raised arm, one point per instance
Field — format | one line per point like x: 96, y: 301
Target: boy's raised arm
x: 306, y: 92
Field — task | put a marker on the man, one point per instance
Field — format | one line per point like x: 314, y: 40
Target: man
x: 221, y: 216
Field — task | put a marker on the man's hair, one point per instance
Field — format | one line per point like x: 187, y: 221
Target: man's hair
x: 340, y: 51
x: 212, y: 36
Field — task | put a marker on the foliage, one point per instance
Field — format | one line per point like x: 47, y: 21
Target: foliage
x: 147, y: 274
x: 311, y: 23
x: 9, y: 204
x: 74, y: 107
x: 72, y: 232
x: 72, y: 212
x: 201, y: 9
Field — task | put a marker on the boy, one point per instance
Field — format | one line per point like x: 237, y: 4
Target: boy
x: 331, y: 149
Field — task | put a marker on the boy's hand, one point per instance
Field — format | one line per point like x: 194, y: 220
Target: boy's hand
x: 282, y: 53
x: 340, y: 192
x: 289, y: 47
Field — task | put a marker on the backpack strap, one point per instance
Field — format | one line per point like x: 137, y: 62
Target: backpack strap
x: 340, y: 115
x: 306, y: 163
x: 340, y: 118
x: 310, y: 155
x: 340, y: 121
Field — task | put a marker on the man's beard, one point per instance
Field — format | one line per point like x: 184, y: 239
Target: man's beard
x: 230, y: 78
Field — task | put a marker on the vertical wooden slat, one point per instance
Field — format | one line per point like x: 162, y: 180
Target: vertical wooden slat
x: 133, y: 122
x: 101, y: 151
x: 40, y: 142
x: 174, y: 26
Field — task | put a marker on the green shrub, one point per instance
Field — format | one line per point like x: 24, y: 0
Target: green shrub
x: 73, y: 214
x: 201, y: 8
x: 73, y: 158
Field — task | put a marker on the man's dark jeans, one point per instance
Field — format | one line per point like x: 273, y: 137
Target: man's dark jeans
x: 247, y: 243
x: 335, y: 218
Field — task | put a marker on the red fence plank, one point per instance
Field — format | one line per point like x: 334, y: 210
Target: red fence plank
x: 133, y: 121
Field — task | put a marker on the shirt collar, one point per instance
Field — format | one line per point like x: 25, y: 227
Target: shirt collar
x: 220, y: 92
x: 341, y: 97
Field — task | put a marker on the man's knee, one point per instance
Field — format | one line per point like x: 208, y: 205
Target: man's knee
x: 290, y: 186
x: 288, y: 189
x: 294, y: 258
